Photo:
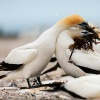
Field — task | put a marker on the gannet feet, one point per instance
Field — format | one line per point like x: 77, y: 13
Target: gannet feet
x: 37, y: 82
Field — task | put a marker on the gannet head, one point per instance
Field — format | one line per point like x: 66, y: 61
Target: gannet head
x: 71, y: 21
x: 76, y: 20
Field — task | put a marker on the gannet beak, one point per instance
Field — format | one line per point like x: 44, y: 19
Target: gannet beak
x: 88, y: 28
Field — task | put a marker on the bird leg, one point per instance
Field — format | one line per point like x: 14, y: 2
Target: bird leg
x: 28, y: 81
x: 35, y: 82
x: 39, y: 80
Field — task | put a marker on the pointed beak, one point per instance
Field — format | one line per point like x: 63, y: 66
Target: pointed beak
x: 88, y: 28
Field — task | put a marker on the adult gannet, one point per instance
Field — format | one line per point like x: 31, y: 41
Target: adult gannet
x: 30, y: 60
x: 84, y: 87
x: 83, y: 61
x: 80, y: 66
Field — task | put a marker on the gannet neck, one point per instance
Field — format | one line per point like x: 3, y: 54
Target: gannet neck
x: 63, y: 42
x: 51, y: 34
x: 60, y: 26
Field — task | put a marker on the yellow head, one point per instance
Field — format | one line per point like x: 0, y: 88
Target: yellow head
x: 71, y: 21
x: 76, y: 20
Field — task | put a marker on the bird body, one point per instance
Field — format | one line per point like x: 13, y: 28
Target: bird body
x: 33, y: 56
x: 84, y: 87
x: 83, y: 62
x: 30, y: 60
x: 63, y: 42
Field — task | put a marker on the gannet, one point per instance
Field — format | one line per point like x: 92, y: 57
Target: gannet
x: 83, y: 62
x: 85, y: 87
x: 31, y: 59
x: 78, y: 68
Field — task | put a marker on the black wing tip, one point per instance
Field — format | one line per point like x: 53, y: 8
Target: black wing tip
x: 10, y: 67
x: 2, y: 76
x: 53, y: 59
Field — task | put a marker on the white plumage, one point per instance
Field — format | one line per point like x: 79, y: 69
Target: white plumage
x: 88, y: 61
x: 21, y: 56
x: 85, y: 86
x: 63, y: 42
x: 35, y: 56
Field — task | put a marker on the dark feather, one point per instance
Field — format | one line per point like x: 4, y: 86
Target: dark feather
x: 2, y: 76
x: 52, y: 69
x: 9, y: 67
x: 53, y: 59
x: 58, y: 86
x: 87, y: 70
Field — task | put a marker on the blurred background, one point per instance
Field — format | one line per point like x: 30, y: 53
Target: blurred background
x: 22, y: 21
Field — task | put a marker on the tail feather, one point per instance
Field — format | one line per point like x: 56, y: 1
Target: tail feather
x: 2, y: 76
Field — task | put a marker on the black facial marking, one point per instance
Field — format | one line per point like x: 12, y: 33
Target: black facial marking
x: 88, y: 28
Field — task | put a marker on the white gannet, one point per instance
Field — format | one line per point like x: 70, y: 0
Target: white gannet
x: 84, y: 87
x: 31, y: 59
x: 83, y: 61
x: 70, y: 68
x: 87, y: 87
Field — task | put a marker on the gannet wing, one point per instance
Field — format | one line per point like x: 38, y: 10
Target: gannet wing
x: 85, y: 59
x: 21, y: 56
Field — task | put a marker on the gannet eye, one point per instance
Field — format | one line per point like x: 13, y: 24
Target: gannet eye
x: 86, y: 32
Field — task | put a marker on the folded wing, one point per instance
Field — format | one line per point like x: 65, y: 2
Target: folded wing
x: 21, y: 56
x: 85, y: 59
